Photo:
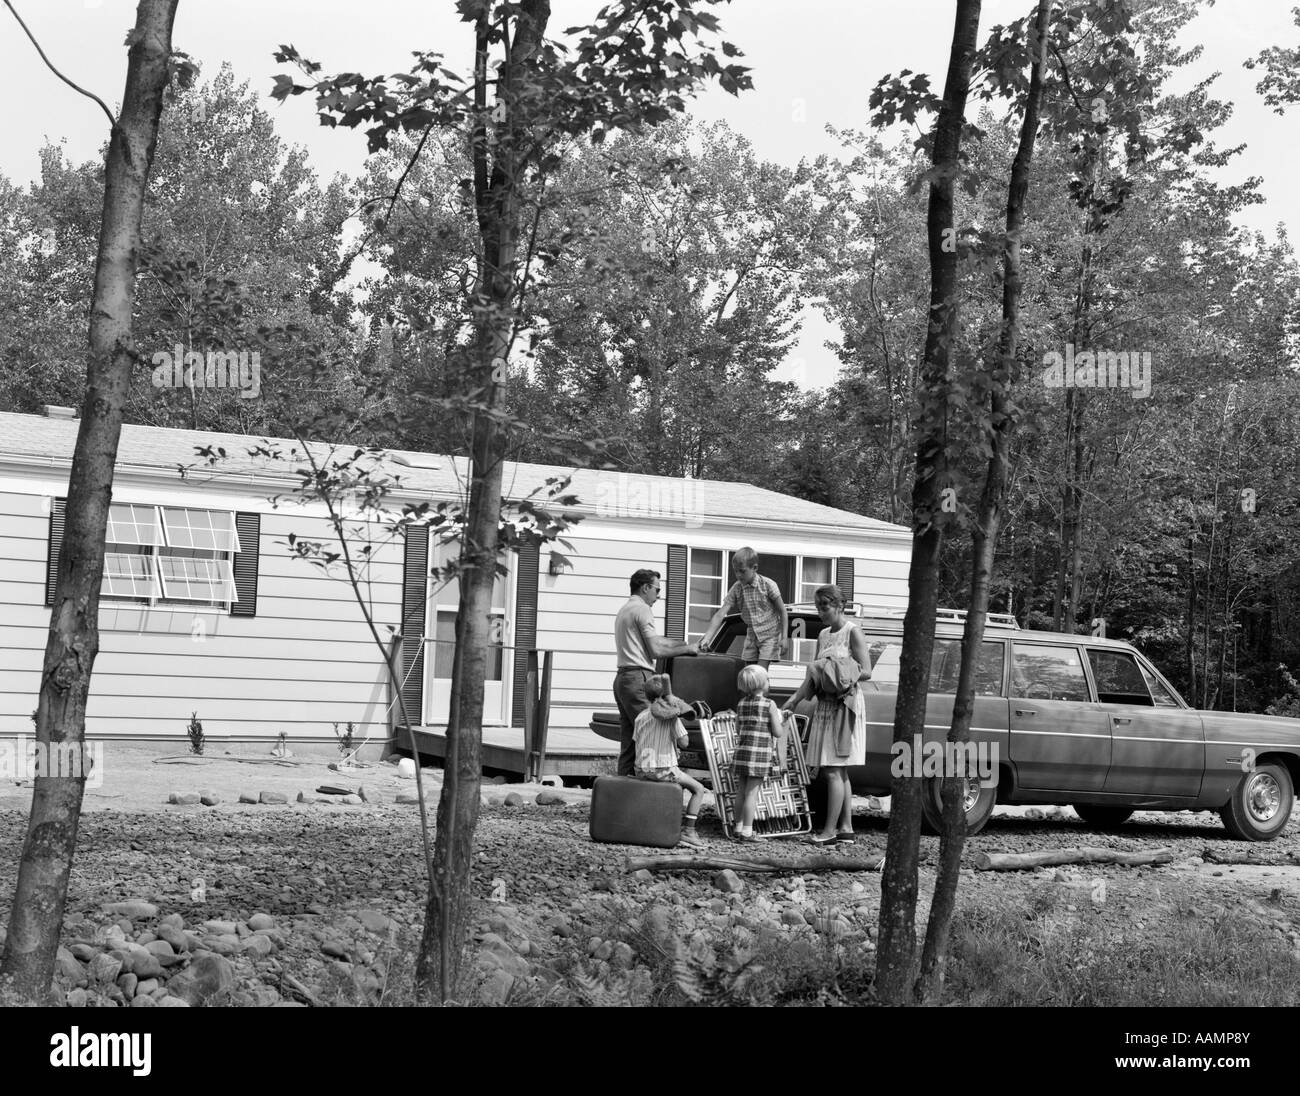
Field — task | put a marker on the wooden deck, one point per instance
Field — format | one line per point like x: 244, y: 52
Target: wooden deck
x: 569, y: 752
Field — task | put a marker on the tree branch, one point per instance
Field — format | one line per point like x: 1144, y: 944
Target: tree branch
x: 112, y: 122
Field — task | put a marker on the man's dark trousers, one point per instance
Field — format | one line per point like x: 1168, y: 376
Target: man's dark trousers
x: 629, y: 694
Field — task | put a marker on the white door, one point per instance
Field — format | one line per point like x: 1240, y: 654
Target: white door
x: 440, y: 645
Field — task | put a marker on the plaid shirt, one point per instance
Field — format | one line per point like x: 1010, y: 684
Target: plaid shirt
x: 755, y: 604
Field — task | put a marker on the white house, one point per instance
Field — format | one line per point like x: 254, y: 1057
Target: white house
x: 205, y: 609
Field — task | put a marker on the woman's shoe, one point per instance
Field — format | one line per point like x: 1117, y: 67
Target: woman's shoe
x: 818, y: 839
x: 845, y: 837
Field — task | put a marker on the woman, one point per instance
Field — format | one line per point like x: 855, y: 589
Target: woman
x: 837, y: 738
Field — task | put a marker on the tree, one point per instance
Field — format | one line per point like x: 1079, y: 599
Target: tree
x: 36, y: 916
x: 629, y: 68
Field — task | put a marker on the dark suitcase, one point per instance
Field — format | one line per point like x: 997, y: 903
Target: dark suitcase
x: 627, y: 811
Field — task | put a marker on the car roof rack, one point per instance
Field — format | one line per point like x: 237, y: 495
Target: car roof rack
x: 993, y: 620
x: 852, y: 608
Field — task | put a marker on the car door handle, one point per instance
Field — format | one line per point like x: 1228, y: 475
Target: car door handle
x: 1026, y: 711
x: 1121, y: 719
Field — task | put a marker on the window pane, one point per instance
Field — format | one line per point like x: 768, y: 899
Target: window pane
x: 450, y: 593
x: 706, y: 562
x: 444, y: 652
x: 780, y: 569
x: 129, y: 523
x: 945, y: 668
x: 196, y: 578
x: 697, y: 622
x: 211, y: 530
x: 705, y: 591
x: 1048, y: 673
x: 1163, y: 697
x: 129, y: 575
x: 1119, y: 681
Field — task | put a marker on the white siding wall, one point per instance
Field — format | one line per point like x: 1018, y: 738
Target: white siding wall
x: 303, y: 662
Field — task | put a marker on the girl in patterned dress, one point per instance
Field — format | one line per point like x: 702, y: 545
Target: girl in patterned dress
x: 760, y: 746
x: 837, y: 737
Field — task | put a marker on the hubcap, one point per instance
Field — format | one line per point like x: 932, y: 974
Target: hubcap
x: 1263, y: 797
x: 970, y: 795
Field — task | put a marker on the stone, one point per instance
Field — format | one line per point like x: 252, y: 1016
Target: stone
x: 334, y: 949
x: 604, y: 951
x: 172, y: 920
x: 143, y: 1002
x: 187, y: 800
x: 352, y: 800
x: 78, y: 998
x: 500, y: 780
x: 84, y: 952
x: 408, y: 800
x: 1034, y: 814
x: 274, y: 798
x: 302, y: 798
x: 221, y: 928
x: 247, y: 797
x: 209, y: 977
x: 133, y: 910
x: 623, y: 956
x: 261, y: 921
x: 643, y: 875
x: 178, y: 940
x: 550, y: 799
x: 364, y: 795
x: 406, y: 769
x: 496, y: 987
x: 514, y: 799
x: 144, y: 936
x: 127, y: 984
x: 728, y: 882
x: 376, y: 922
x: 791, y: 916
x: 146, y: 986
x: 258, y: 946
x: 161, y: 948
x: 105, y: 968
x: 125, y: 925
x: 223, y: 945
x: 146, y: 966
x: 68, y: 970
x: 209, y: 799
x: 173, y: 1002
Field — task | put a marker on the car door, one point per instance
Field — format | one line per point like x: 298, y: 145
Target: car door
x: 1157, y: 746
x: 1059, y: 737
x: 989, y: 707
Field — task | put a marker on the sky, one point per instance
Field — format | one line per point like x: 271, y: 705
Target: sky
x: 814, y: 63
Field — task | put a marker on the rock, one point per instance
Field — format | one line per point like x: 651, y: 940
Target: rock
x: 68, y: 970
x: 1034, y: 814
x: 334, y: 949
x: 258, y: 946
x: 160, y: 948
x: 84, y: 952
x: 261, y: 921
x: 407, y: 800
x: 728, y: 882
x: 406, y: 769
x: 209, y: 799
x: 146, y: 986
x: 514, y: 799
x: 275, y: 798
x: 364, y: 795
x: 500, y: 780
x: 178, y: 940
x: 221, y: 928
x: 247, y: 797
x: 549, y: 799
x: 643, y: 875
x: 228, y: 944
x: 352, y: 800
x: 187, y: 800
x: 78, y: 998
x: 143, y: 1002
x: 125, y: 925
x: 873, y: 804
x: 376, y: 922
x: 791, y: 916
x: 105, y: 968
x: 172, y: 920
x: 173, y: 1002
x: 302, y: 798
x: 495, y: 988
x: 133, y: 910
x: 144, y: 936
x: 623, y: 956
x: 207, y: 980
x: 146, y: 966
x: 604, y: 950
x: 127, y: 984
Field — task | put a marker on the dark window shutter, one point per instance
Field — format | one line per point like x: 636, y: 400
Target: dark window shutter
x: 844, y: 576
x: 415, y: 596
x: 54, y: 548
x: 249, y: 527
x: 675, y: 614
x: 525, y: 626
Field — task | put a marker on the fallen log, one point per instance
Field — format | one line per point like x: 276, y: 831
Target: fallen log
x: 759, y: 864
x: 1254, y: 856
x: 1021, y: 861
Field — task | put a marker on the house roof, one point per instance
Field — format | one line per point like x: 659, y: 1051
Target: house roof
x: 38, y: 439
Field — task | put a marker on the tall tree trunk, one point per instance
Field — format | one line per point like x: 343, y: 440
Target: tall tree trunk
x: 497, y: 200
x: 985, y: 532
x: 36, y: 917
x: 896, y: 957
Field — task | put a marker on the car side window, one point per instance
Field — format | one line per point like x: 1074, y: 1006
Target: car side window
x: 1118, y: 677
x: 1163, y: 697
x: 945, y: 667
x: 1047, y: 672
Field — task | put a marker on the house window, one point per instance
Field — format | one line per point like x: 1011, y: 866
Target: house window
x: 705, y: 586
x: 815, y: 571
x: 447, y: 598
x: 169, y: 555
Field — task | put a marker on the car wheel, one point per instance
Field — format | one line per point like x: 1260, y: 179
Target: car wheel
x: 1102, y: 817
x: 978, y: 802
x: 1260, y: 804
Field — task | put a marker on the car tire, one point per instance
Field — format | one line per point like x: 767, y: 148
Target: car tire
x: 979, y: 806
x: 1101, y: 817
x: 1260, y: 804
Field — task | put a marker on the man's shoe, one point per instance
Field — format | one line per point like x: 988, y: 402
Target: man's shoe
x: 691, y: 841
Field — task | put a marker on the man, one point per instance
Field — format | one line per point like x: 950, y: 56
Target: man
x: 638, y: 645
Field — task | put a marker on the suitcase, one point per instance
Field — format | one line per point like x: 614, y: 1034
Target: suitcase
x: 627, y: 811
